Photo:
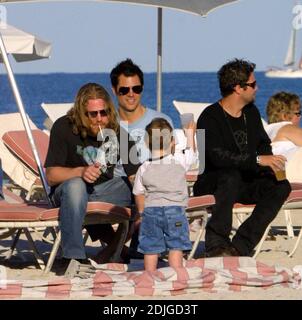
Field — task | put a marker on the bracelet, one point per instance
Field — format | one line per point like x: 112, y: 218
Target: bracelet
x: 258, y: 159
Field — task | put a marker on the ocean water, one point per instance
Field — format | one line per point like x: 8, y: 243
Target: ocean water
x: 194, y: 87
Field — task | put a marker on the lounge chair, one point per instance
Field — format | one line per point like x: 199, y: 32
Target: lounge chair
x: 21, y: 176
x: 198, y: 209
x: 18, y: 145
x: 293, y: 203
x: 23, y: 217
x: 54, y: 111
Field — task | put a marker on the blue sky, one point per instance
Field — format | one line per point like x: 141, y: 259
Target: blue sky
x: 93, y: 37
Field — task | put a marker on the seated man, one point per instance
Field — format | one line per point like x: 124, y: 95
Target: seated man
x: 239, y: 165
x: 83, y: 150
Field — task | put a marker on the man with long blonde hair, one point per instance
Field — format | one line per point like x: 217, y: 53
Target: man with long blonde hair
x: 84, y: 148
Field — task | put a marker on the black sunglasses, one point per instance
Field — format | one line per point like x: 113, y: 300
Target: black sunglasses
x: 298, y: 114
x: 94, y: 114
x: 125, y: 90
x: 251, y: 84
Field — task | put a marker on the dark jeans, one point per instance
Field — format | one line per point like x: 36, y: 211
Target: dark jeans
x: 228, y: 187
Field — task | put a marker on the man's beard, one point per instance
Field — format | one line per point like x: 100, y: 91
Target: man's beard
x: 93, y: 130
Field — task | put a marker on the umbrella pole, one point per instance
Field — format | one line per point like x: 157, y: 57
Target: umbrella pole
x: 23, y: 115
x: 159, y: 56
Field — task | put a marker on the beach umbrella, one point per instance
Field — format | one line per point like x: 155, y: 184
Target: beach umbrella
x: 24, y: 47
x: 198, y: 7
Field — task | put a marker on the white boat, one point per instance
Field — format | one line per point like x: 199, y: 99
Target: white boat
x: 294, y: 69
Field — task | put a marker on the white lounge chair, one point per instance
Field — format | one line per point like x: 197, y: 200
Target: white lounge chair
x: 18, y: 173
x: 54, y: 111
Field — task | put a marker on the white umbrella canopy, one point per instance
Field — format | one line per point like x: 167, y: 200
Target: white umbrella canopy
x: 201, y: 7
x: 22, y: 45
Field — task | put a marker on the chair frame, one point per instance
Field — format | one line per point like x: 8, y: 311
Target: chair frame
x: 39, y: 217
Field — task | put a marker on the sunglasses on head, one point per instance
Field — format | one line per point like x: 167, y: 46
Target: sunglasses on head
x: 298, y: 114
x: 94, y: 114
x: 125, y: 90
x: 251, y: 84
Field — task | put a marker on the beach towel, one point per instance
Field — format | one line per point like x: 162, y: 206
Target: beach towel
x: 223, y: 274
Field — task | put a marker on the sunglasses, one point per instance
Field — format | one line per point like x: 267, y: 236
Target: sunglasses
x: 125, y: 90
x: 94, y: 114
x: 298, y: 114
x: 251, y: 84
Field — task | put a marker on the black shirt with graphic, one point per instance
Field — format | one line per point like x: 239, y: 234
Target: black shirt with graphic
x: 69, y: 150
x: 239, y: 131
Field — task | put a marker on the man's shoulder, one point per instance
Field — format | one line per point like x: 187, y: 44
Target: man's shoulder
x: 151, y: 114
x: 62, y: 121
x: 251, y: 108
x: 211, y: 110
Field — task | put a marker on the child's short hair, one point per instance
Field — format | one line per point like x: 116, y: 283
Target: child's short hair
x: 159, y: 134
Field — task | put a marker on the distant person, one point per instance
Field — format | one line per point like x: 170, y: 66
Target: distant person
x: 161, y: 196
x: 127, y: 80
x: 239, y: 164
x: 284, y: 115
x: 79, y: 168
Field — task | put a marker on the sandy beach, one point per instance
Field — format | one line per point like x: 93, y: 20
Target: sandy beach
x: 274, y: 253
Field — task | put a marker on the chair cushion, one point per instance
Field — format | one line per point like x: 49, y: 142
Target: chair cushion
x: 102, y: 211
x: 192, y: 175
x: 200, y: 202
x: 19, y: 213
x: 17, y: 142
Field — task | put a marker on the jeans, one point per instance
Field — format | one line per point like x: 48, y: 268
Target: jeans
x: 72, y: 197
x: 163, y: 229
x: 228, y: 187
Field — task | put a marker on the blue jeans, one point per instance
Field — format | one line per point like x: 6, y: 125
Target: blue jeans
x: 1, y: 182
x: 72, y: 197
x: 163, y: 229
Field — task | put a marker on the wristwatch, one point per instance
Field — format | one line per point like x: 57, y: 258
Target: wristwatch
x: 258, y: 159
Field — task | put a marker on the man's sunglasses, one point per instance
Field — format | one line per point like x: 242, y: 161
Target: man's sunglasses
x: 298, y: 114
x: 125, y: 90
x: 251, y: 84
x: 94, y: 114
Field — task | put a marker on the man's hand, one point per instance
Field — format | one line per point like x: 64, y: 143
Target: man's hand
x: 276, y: 162
x: 91, y: 173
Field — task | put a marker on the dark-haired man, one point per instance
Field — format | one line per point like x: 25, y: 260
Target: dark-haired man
x: 239, y: 165
x: 127, y: 81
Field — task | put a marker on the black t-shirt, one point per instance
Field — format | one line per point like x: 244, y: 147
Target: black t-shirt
x: 69, y: 150
x: 239, y: 131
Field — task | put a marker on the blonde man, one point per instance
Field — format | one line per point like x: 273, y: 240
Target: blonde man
x: 83, y: 151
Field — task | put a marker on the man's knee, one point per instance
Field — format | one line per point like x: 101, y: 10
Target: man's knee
x: 73, y: 193
x: 283, y: 189
x: 75, y: 187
